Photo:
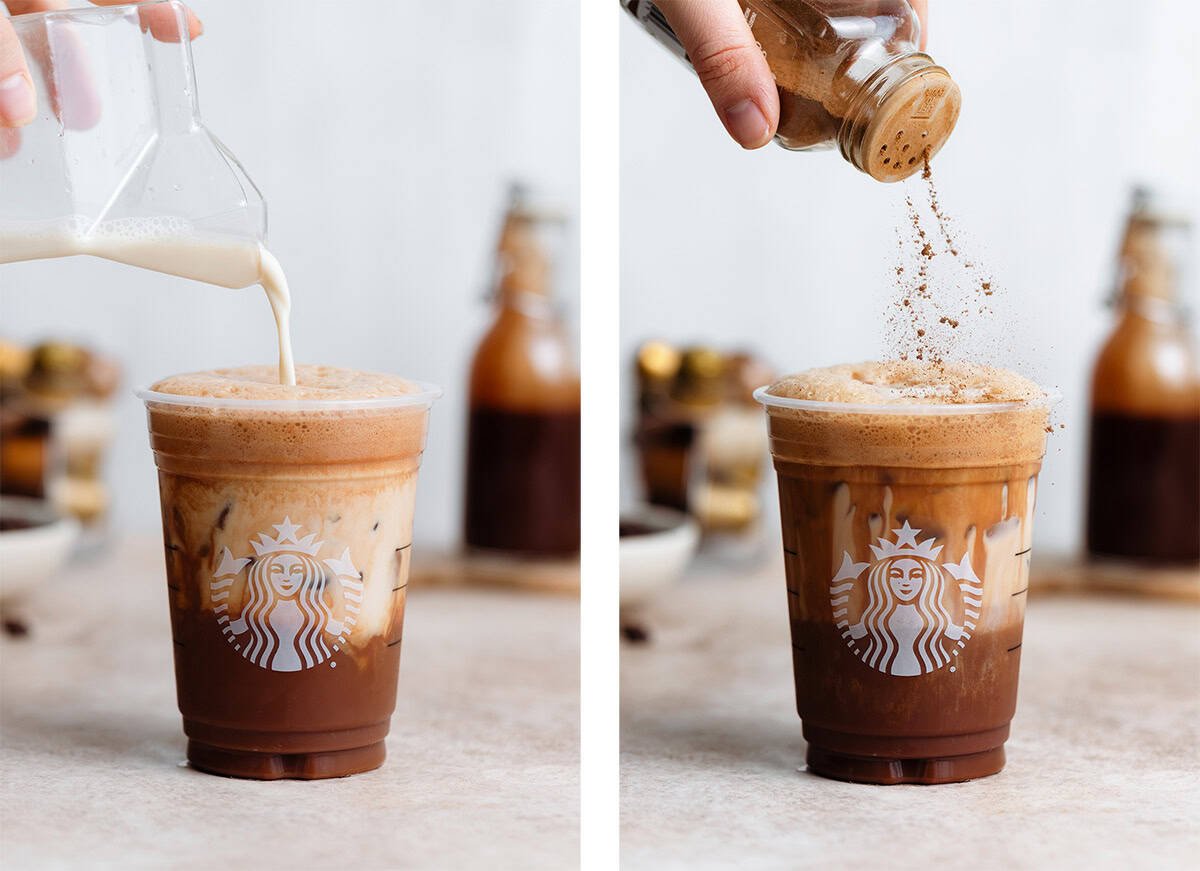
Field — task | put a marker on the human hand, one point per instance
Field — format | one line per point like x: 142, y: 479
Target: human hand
x: 18, y: 102
x: 731, y: 66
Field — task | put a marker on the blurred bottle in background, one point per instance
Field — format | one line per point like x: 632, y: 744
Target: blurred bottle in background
x: 701, y: 441
x: 522, y: 482
x: 56, y: 426
x: 730, y: 458
x: 28, y: 463
x: 1144, y: 463
x: 666, y: 428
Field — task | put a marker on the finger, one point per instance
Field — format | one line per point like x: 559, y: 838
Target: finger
x: 730, y: 64
x: 10, y: 142
x: 73, y: 90
x: 18, y: 105
x: 921, y: 7
x: 62, y: 56
x: 24, y: 7
x: 161, y: 20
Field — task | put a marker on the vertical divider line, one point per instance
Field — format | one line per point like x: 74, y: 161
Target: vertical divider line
x: 600, y: 360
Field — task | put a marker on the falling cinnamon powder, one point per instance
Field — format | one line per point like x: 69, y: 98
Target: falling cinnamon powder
x: 932, y: 304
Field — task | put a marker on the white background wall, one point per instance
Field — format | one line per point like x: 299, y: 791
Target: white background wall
x: 383, y: 135
x: 1065, y: 106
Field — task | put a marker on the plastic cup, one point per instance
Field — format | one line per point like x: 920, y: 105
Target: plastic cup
x: 906, y: 537
x: 288, y: 531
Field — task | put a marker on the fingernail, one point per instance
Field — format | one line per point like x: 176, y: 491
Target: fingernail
x: 747, y: 124
x: 17, y: 105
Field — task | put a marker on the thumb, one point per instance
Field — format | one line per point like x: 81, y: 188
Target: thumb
x: 730, y: 65
x: 18, y: 106
x: 921, y: 7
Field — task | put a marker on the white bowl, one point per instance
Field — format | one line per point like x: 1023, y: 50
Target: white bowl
x: 656, y: 559
x: 36, y: 553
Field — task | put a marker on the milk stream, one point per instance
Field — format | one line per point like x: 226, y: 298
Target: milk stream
x: 169, y: 245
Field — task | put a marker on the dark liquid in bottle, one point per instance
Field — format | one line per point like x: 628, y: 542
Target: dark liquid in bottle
x: 1144, y: 488
x: 665, y: 452
x: 523, y: 481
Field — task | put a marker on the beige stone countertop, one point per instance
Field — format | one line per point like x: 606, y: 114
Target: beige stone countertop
x: 483, y: 759
x: 1103, y: 763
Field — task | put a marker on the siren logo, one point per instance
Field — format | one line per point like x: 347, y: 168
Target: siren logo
x: 906, y: 621
x: 287, y: 621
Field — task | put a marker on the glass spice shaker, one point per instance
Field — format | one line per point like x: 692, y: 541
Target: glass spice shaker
x: 849, y: 75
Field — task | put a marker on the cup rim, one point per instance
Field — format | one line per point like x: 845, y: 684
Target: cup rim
x: 425, y: 396
x: 940, y: 409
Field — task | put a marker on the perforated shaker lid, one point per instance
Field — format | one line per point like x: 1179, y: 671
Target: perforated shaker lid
x: 917, y: 116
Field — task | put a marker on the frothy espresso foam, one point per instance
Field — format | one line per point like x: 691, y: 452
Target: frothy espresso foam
x: 910, y: 414
x: 907, y: 494
x: 333, y: 383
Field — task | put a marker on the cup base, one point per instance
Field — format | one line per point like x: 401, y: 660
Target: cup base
x: 284, y: 766
x: 885, y: 772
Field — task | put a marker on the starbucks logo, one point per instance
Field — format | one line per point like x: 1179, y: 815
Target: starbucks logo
x: 903, y: 623
x: 288, y: 597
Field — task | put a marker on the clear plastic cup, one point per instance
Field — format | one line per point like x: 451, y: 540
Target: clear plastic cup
x: 288, y: 532
x: 118, y: 155
x: 906, y: 534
